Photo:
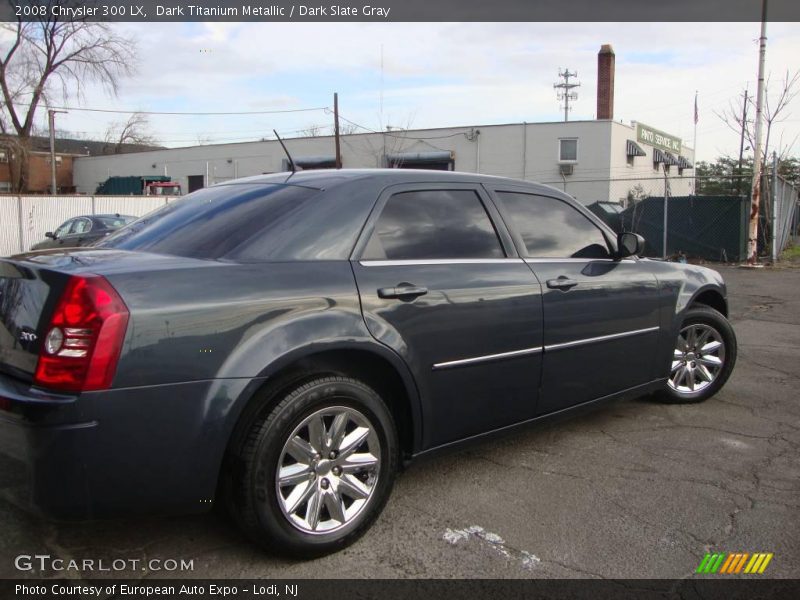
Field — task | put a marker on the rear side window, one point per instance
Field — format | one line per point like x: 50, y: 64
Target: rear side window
x: 552, y: 228
x: 435, y: 224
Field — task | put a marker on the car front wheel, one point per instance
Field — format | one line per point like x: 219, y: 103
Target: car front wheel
x: 318, y: 469
x: 703, y: 357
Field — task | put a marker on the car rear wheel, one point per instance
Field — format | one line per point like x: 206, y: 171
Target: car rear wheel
x: 703, y: 357
x: 318, y: 469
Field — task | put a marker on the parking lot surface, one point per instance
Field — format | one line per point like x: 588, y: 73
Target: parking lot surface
x: 634, y: 489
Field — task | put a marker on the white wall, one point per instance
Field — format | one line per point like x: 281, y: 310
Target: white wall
x: 517, y: 150
x: 495, y: 150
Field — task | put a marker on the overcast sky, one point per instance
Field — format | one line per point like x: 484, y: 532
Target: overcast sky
x: 439, y: 74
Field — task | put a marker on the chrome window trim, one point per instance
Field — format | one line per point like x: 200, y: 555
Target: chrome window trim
x: 576, y: 260
x: 440, y: 261
x: 486, y: 358
x: 600, y: 338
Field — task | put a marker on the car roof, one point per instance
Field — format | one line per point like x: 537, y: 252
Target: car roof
x: 328, y: 178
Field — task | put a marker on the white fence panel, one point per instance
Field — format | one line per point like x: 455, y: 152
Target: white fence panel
x: 136, y: 206
x: 9, y: 225
x: 45, y: 213
x: 25, y: 219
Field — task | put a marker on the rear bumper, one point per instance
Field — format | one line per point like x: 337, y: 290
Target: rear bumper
x: 133, y: 450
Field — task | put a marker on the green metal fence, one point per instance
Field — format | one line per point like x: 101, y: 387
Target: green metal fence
x: 706, y: 227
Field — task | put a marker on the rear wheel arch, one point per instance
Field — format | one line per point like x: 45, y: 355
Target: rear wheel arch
x: 370, y: 366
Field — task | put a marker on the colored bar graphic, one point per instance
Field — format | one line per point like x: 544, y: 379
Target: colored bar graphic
x: 753, y: 564
x: 741, y: 563
x: 703, y: 563
x: 732, y: 563
x: 765, y: 563
x: 718, y: 563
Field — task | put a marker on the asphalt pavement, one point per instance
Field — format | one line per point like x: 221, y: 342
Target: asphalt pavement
x: 635, y: 489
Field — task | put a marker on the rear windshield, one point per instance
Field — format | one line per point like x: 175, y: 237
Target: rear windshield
x: 237, y: 222
x: 115, y: 222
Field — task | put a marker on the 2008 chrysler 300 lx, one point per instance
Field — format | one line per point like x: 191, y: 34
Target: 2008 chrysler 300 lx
x: 281, y: 344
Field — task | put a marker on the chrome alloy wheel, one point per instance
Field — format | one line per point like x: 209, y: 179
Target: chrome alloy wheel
x: 328, y: 470
x: 698, y: 358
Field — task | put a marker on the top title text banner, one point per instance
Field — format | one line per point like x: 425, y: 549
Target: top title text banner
x: 399, y: 10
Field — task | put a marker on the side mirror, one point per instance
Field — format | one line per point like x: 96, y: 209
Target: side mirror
x: 50, y: 235
x: 629, y: 244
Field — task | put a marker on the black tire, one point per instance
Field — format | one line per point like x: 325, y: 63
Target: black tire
x: 259, y: 504
x: 704, y: 317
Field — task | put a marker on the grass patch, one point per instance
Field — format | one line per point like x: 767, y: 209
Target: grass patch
x: 792, y: 253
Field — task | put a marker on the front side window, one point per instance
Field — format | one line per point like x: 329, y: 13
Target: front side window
x: 64, y: 229
x: 81, y: 226
x: 434, y: 224
x: 552, y: 228
x: 568, y: 150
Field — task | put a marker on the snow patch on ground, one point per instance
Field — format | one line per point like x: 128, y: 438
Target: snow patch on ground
x: 492, y: 541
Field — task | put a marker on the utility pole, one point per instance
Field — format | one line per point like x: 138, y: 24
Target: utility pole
x: 51, y: 119
x: 774, y: 198
x: 752, y: 236
x: 565, y: 94
x: 336, y: 130
x: 741, y: 145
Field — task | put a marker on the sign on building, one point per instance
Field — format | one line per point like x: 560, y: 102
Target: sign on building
x: 659, y: 139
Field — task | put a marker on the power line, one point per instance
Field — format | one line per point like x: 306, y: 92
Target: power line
x: 174, y: 113
x: 402, y: 137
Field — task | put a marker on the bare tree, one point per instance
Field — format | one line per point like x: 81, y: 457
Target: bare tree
x: 774, y: 112
x: 136, y: 130
x: 312, y: 131
x: 51, y: 59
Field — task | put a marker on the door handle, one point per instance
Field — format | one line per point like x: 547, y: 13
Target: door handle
x: 562, y: 283
x: 403, y: 291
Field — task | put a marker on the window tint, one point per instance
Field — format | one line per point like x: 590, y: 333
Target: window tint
x: 81, y: 226
x: 64, y: 229
x: 115, y: 222
x: 552, y: 228
x: 434, y: 224
x: 236, y: 222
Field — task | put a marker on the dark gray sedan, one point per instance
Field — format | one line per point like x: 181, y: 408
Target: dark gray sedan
x: 82, y: 231
x: 283, y: 344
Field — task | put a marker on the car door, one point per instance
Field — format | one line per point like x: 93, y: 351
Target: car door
x: 58, y: 235
x: 601, y: 316
x: 441, y: 284
x: 80, y: 233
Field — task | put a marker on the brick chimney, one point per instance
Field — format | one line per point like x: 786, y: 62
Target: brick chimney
x: 605, y: 82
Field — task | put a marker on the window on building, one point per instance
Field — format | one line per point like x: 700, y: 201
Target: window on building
x: 5, y: 187
x: 630, y: 160
x: 435, y: 224
x: 552, y: 228
x: 568, y: 150
x: 58, y: 160
x: 3, y: 156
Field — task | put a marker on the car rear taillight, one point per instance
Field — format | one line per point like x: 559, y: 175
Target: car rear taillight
x: 83, y: 341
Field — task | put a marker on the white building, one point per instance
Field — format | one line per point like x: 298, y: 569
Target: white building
x: 586, y: 158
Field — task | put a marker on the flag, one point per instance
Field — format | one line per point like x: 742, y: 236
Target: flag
x: 695, y: 108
